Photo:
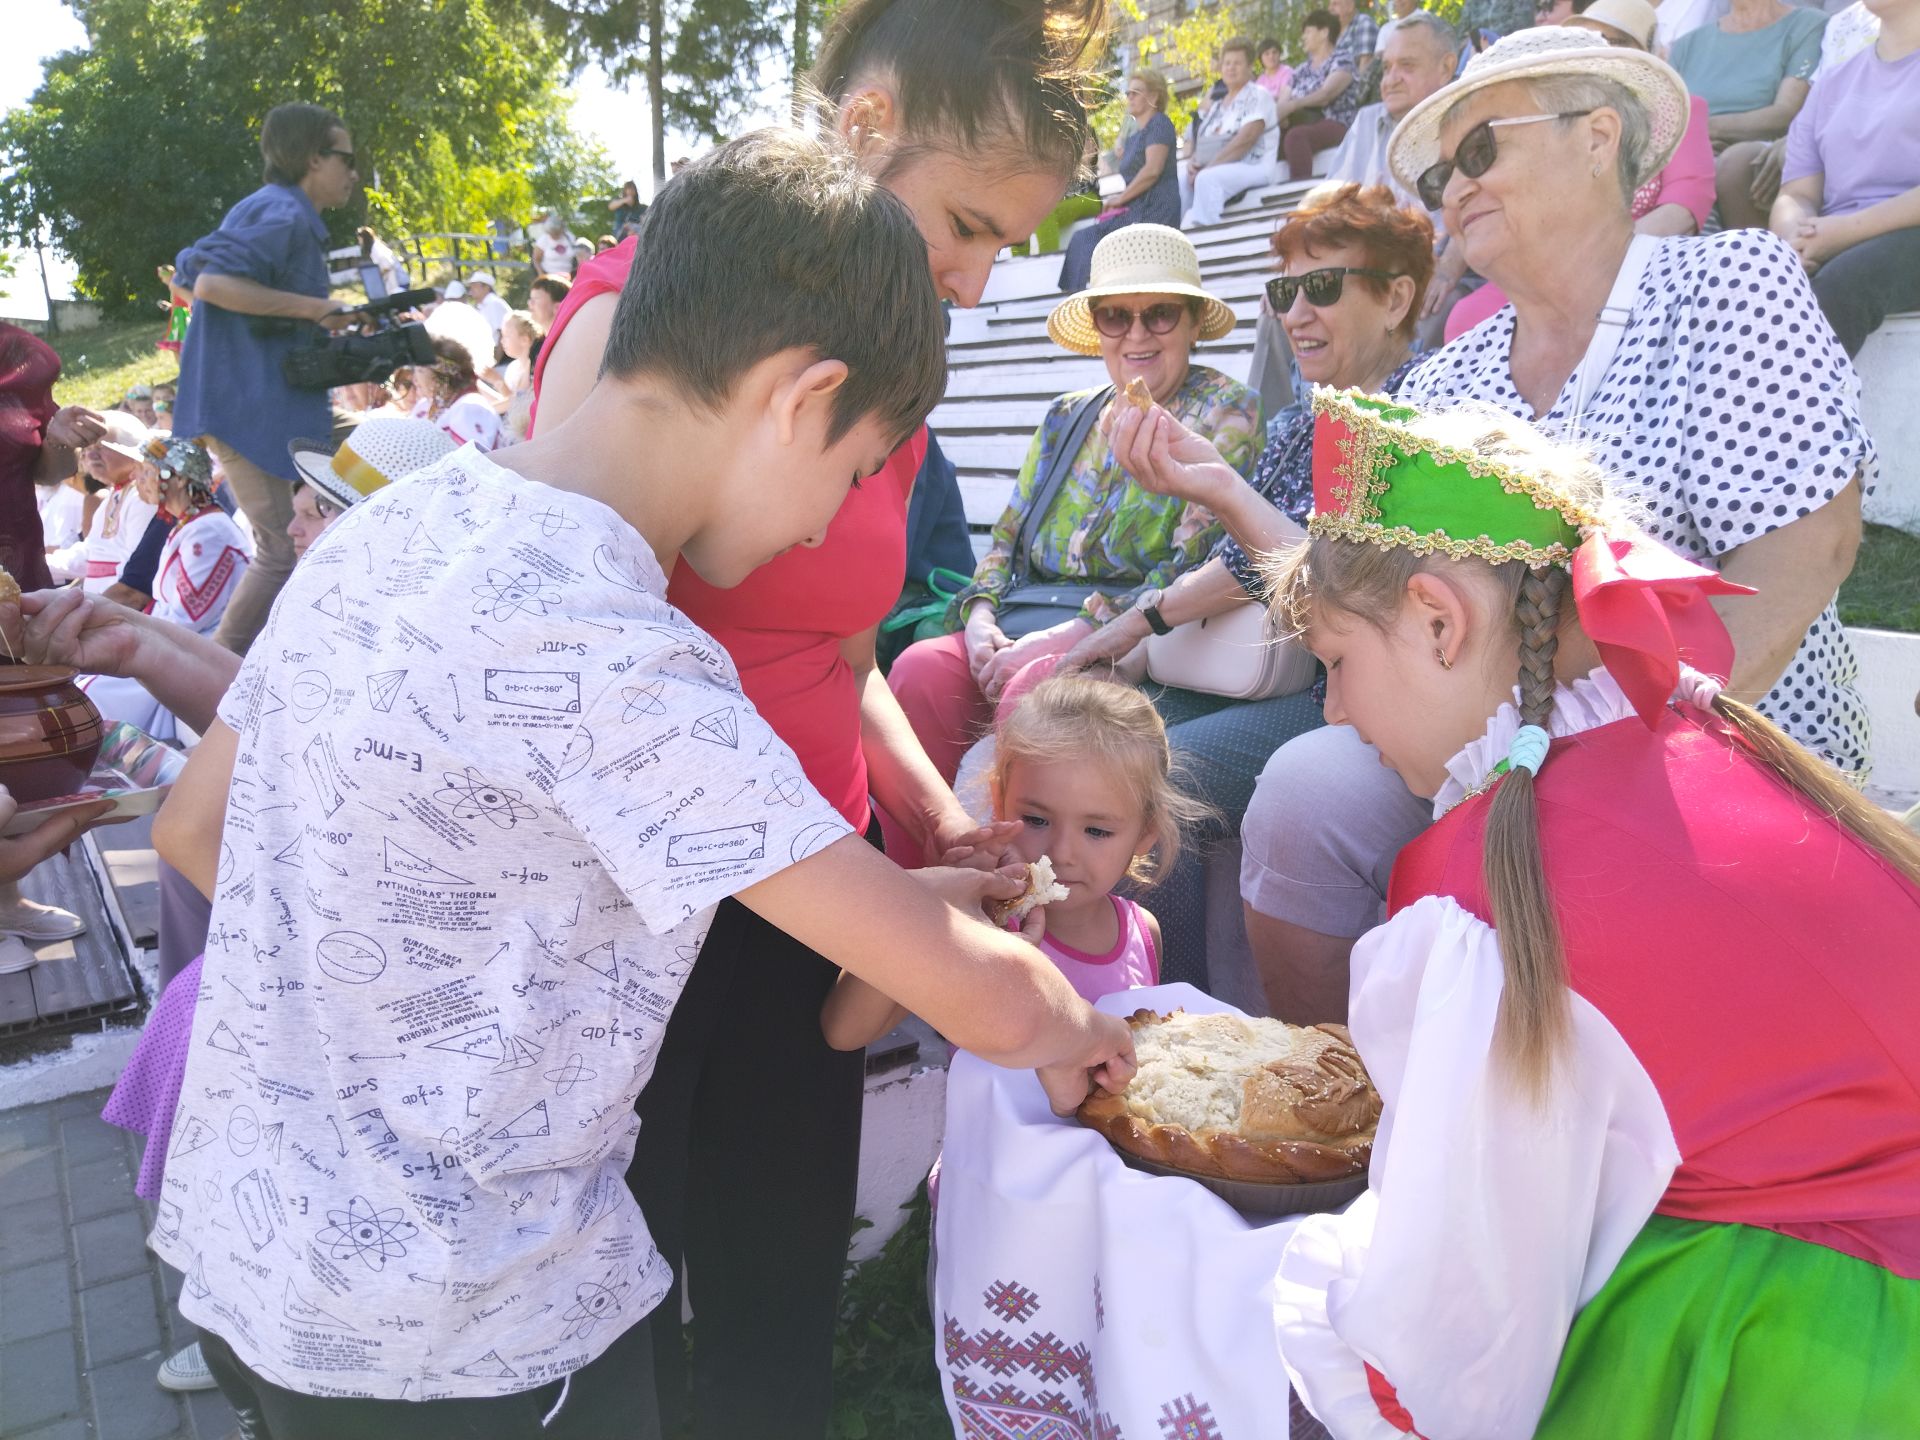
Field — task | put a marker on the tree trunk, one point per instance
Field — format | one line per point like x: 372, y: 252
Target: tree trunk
x: 802, y: 52
x: 656, y: 91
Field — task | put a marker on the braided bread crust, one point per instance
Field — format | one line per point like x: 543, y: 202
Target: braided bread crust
x: 1323, y: 1098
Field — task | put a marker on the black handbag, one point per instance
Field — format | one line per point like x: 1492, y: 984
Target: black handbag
x: 1029, y: 605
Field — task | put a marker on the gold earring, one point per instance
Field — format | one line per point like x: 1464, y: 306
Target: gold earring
x: 1441, y: 656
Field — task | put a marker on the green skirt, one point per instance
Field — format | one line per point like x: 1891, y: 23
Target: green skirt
x: 1727, y: 1332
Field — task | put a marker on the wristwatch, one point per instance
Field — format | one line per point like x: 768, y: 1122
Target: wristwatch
x: 1148, y: 604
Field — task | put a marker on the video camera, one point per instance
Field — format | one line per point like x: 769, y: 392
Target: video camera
x: 381, y: 345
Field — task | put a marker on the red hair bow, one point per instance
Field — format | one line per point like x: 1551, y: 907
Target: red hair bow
x: 1648, y: 610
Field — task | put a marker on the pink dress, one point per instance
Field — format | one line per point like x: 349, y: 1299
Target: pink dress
x: 1130, y: 964
x: 148, y: 1090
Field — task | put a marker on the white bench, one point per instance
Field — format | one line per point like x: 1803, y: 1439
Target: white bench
x: 1889, y: 365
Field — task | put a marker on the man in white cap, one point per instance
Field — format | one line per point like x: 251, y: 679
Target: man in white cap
x: 121, y: 517
x: 481, y: 295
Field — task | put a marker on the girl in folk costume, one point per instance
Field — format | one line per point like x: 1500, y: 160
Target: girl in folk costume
x: 1645, y: 1014
x: 200, y: 568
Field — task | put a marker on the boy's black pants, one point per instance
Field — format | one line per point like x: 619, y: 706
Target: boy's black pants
x: 610, y: 1399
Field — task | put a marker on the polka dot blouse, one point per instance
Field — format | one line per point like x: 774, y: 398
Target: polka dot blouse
x: 1729, y: 410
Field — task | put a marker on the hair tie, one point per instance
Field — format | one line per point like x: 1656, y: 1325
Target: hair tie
x: 1528, y: 750
x: 1697, y: 688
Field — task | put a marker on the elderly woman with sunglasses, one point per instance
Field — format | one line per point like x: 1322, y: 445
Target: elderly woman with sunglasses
x: 1714, y: 390
x: 1101, y: 542
x: 1353, y: 264
x: 1674, y: 202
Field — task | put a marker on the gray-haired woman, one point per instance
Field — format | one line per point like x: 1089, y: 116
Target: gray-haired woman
x: 1699, y: 370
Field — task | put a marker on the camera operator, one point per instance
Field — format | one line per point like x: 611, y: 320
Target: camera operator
x: 259, y: 284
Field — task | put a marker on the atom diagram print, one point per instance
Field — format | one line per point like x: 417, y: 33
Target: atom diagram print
x: 643, y: 701
x: 504, y: 596
x: 591, y: 1304
x: 371, y: 1236
x: 468, y: 796
x: 554, y: 522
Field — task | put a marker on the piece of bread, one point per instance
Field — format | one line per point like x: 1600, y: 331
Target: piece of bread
x: 1139, y: 394
x: 1042, y: 889
x: 1242, y: 1098
x: 12, y: 623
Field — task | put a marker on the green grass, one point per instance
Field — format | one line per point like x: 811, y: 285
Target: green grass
x: 1883, y: 592
x: 885, y: 1384
x: 99, y: 366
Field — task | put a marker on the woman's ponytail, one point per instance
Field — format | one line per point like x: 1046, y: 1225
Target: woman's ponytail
x: 1829, y: 790
x: 1533, y: 1007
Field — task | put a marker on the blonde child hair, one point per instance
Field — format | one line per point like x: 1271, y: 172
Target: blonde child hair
x: 1080, y: 720
x: 1369, y: 582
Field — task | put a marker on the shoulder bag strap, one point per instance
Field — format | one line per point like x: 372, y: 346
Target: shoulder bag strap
x: 1079, y: 425
x: 1614, y: 318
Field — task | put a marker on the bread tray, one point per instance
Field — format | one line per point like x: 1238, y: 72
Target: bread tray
x: 134, y: 771
x: 1253, y: 1197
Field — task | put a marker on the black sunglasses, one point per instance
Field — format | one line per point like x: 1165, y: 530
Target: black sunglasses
x: 1116, y: 321
x: 1475, y: 154
x: 1322, y: 287
x: 346, y: 155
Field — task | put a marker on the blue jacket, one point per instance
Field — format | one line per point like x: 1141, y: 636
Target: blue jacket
x: 230, y: 382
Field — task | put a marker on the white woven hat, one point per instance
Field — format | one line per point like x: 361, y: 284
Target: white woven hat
x: 1137, y: 260
x: 1633, y: 18
x: 1549, y: 50
x: 125, y: 435
x: 375, y: 453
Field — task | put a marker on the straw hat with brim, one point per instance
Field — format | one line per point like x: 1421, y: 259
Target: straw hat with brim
x: 1634, y: 19
x: 1534, y: 54
x: 1137, y: 260
x: 377, y: 453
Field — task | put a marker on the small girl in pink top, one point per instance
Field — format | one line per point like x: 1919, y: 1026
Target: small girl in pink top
x: 1084, y: 766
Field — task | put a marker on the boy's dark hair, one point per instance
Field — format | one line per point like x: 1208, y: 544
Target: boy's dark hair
x: 778, y: 241
x: 554, y: 287
x: 973, y: 74
x: 290, y: 138
x: 1272, y: 44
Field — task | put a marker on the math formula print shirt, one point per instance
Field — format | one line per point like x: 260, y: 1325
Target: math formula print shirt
x: 489, y: 787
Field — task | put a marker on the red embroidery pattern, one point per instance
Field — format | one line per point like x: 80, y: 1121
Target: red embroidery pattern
x: 1011, y: 1302
x: 1187, y: 1419
x: 1001, y: 1409
x: 198, y: 600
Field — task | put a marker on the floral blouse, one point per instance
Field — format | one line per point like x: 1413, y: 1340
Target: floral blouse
x: 1309, y: 77
x: 1103, y: 529
x: 1284, y: 478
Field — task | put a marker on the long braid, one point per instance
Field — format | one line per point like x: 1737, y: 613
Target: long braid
x: 1533, y: 1008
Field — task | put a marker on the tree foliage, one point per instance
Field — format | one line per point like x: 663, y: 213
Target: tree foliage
x: 138, y: 145
x: 701, y: 59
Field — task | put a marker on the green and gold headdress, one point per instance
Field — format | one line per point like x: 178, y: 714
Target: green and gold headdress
x: 1378, y: 482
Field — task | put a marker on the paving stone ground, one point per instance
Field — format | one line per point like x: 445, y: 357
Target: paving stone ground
x: 86, y: 1310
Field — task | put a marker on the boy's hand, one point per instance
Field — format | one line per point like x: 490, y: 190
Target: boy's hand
x: 1107, y: 1061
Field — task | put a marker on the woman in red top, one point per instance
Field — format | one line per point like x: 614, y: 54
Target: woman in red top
x: 971, y: 112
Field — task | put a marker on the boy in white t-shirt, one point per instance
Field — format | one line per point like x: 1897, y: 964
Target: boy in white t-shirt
x: 467, y: 811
